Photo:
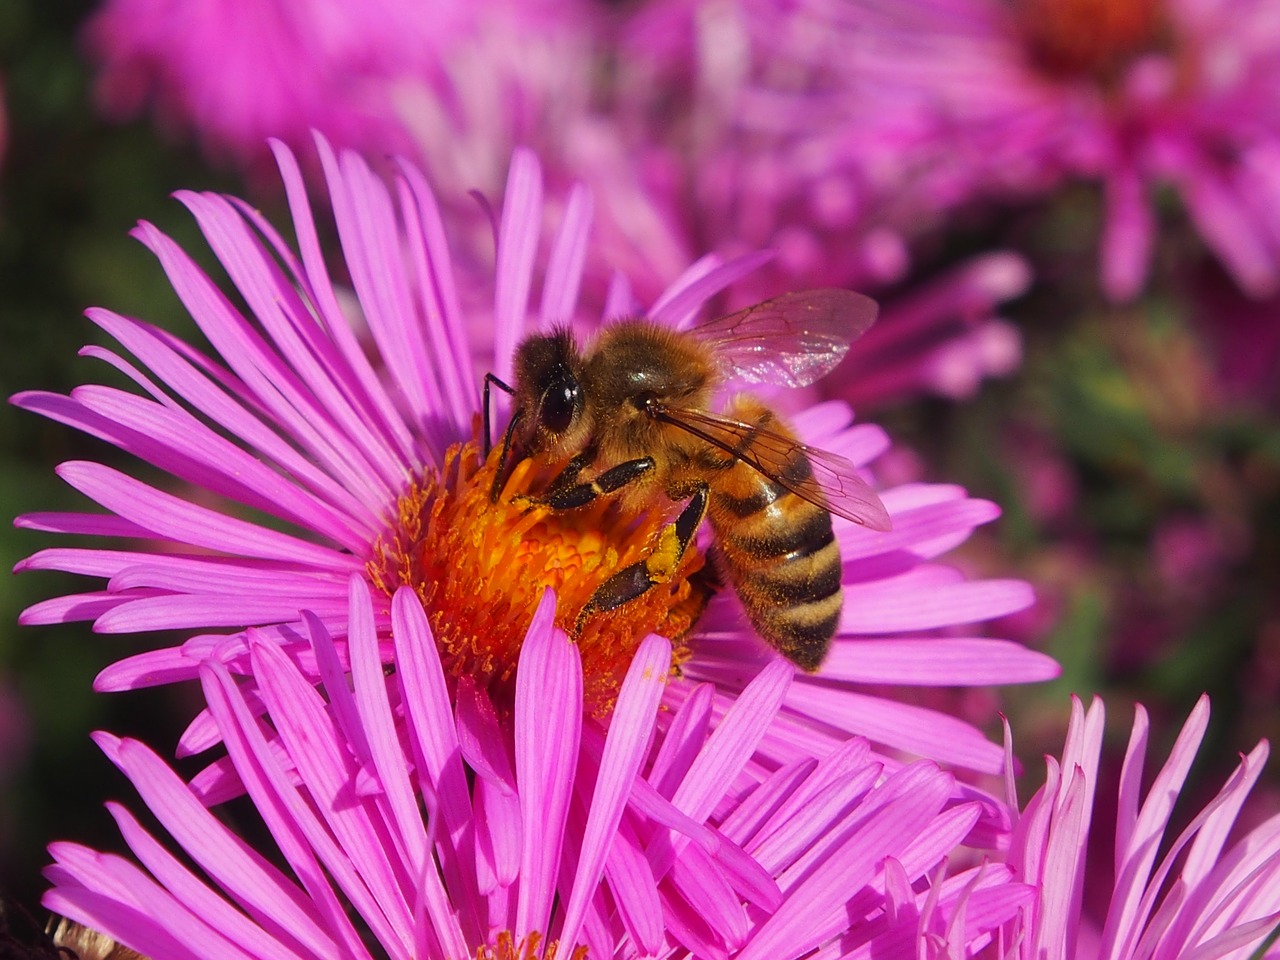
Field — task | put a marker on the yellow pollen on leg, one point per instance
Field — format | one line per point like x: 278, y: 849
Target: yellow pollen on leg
x: 480, y: 569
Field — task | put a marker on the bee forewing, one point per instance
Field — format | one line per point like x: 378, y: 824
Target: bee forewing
x: 791, y: 340
x: 847, y: 494
x: 831, y: 481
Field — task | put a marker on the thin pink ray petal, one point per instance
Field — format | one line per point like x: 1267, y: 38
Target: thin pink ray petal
x: 517, y: 244
x: 630, y: 731
x: 937, y: 661
x: 548, y: 724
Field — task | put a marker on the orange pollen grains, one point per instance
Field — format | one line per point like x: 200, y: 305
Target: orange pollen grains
x: 507, y: 947
x: 1095, y: 37
x: 480, y: 569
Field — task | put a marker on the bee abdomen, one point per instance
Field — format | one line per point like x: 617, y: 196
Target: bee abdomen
x: 783, y: 560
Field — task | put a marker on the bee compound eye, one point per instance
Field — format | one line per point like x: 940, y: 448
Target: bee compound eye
x: 559, y: 402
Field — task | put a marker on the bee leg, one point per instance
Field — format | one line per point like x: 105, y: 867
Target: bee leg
x: 658, y: 567
x: 516, y: 414
x: 569, y: 495
x: 490, y: 379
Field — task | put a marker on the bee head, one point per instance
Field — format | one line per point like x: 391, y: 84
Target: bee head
x: 548, y: 388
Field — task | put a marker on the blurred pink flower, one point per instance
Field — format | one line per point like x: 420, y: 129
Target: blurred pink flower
x: 941, y: 338
x: 356, y: 463
x: 1014, y: 99
x: 1200, y: 898
x: 538, y: 833
x: 237, y: 73
x: 698, y: 127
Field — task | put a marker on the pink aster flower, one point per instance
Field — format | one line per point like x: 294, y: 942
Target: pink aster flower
x: 1014, y: 99
x: 368, y: 466
x: 1190, y: 895
x: 528, y: 843
x: 238, y: 73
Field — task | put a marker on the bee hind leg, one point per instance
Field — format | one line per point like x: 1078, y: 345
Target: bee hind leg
x: 658, y: 567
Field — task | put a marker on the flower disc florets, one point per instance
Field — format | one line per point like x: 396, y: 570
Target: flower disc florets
x: 481, y: 567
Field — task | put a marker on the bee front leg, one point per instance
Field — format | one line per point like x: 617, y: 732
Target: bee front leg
x: 658, y: 567
x: 567, y: 495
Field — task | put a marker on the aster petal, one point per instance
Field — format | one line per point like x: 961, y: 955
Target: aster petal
x: 498, y: 817
x: 1138, y: 853
x: 173, y: 518
x: 1206, y: 853
x: 445, y: 346
x: 806, y: 919
x: 436, y: 751
x: 683, y: 739
x: 918, y: 730
x: 679, y: 306
x: 208, y: 389
x: 517, y: 244
x: 264, y: 892
x: 292, y: 825
x: 83, y: 524
x: 914, y: 528
x: 635, y: 890
x: 195, y: 896
x: 372, y: 249
x: 314, y: 279
x: 926, y: 597
x: 563, y: 277
x: 733, y: 740
x: 796, y: 830
x: 289, y: 324
x: 937, y: 661
x: 548, y: 729
x: 1223, y: 218
x: 153, y: 668
x: 180, y: 934
x: 184, y: 446
x: 73, y: 607
x: 170, y: 612
x: 366, y: 873
x: 624, y: 749
x: 266, y: 377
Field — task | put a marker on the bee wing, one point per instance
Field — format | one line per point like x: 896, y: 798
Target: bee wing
x: 831, y: 481
x: 793, y: 339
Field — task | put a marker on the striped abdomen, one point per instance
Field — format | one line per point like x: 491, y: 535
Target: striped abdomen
x: 780, y: 554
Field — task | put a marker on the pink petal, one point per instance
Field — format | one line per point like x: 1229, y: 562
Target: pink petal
x: 630, y: 730
x: 548, y: 729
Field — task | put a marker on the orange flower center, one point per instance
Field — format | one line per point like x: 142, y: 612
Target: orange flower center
x: 480, y: 569
x: 1073, y: 37
x: 507, y: 947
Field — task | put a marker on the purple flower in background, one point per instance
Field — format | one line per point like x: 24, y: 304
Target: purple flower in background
x: 1014, y: 99
x: 539, y: 833
x: 362, y: 455
x: 237, y: 73
x: 698, y: 127
x: 942, y: 338
x: 1192, y: 895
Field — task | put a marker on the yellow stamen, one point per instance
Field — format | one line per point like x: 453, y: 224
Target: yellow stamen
x: 508, y: 947
x: 480, y: 569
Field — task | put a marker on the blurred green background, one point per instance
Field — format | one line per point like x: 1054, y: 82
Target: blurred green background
x: 1140, y: 477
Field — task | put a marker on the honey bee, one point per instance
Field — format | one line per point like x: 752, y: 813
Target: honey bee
x: 629, y: 417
